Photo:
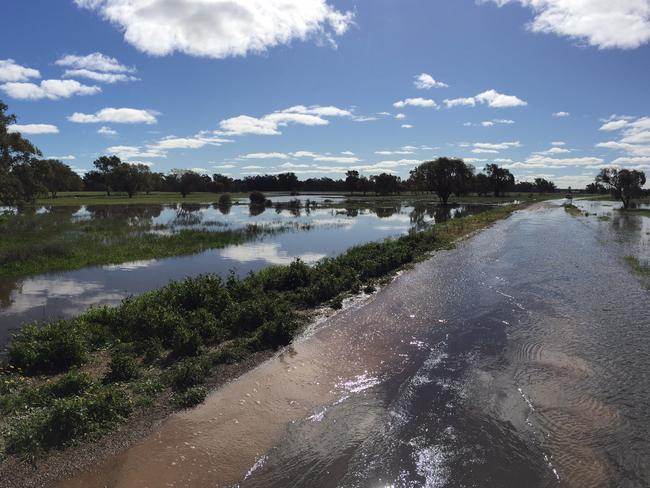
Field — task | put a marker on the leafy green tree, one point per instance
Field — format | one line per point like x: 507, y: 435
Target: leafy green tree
x: 500, y: 178
x: 130, y: 178
x: 17, y: 179
x: 444, y: 176
x: 352, y: 180
x: 106, y: 166
x: 56, y: 176
x: 386, y: 183
x: 624, y: 184
x: 544, y: 186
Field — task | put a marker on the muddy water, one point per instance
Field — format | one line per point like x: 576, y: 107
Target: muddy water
x: 519, y: 359
x: 287, y: 234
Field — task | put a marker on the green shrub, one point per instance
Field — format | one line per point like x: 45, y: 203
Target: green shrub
x: 225, y: 200
x: 231, y: 353
x: 190, y: 397
x: 53, y: 348
x: 67, y: 420
x: 152, y: 350
x: 188, y: 373
x: 123, y: 367
x: 72, y: 384
x: 257, y: 198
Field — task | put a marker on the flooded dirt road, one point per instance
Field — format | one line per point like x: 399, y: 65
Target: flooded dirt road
x: 522, y: 358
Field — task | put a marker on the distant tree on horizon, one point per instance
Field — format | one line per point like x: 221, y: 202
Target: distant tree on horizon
x: 500, y: 178
x: 444, y: 177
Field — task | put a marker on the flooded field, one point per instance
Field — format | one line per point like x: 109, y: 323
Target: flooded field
x: 519, y: 359
x: 306, y: 232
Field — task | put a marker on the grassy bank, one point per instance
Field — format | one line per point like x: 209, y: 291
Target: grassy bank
x: 75, y: 379
x: 637, y: 265
x: 34, y: 244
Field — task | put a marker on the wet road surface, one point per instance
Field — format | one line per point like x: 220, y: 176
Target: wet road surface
x: 522, y: 358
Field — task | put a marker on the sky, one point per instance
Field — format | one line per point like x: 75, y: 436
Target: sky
x: 547, y: 88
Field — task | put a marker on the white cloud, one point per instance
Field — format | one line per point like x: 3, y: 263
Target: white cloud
x: 199, y: 170
x: 116, y: 116
x: 69, y: 157
x: 425, y: 81
x: 130, y: 152
x: 325, y: 157
x: 218, y: 28
x: 50, y: 89
x: 225, y: 166
x: 614, y: 125
x: 270, y: 155
x: 34, y: 128
x: 541, y: 161
x: 196, y: 142
x: 252, y: 167
x: 560, y: 115
x: 558, y: 143
x: 604, y: 24
x: 400, y: 116
x: 493, y: 122
x: 95, y: 62
x: 270, y: 124
x: 364, y: 118
x: 635, y: 136
x: 12, y: 72
x: 106, y: 131
x: 554, y: 150
x: 101, y: 77
x: 415, y: 102
x: 390, y: 153
x: 407, y: 126
x: 491, y: 98
x: 493, y: 148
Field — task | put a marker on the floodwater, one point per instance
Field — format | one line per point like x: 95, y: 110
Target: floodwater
x: 288, y: 234
x: 521, y: 358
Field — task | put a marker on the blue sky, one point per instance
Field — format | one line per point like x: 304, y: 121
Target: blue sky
x: 553, y: 88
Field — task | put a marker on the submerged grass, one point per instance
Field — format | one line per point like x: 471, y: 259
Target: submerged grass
x: 572, y: 210
x: 88, y: 245
x: 164, y: 344
x: 637, y: 265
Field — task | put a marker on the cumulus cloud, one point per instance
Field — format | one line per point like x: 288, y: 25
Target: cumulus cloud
x: 69, y: 157
x: 554, y: 150
x: 34, y: 128
x: 116, y: 116
x: 560, y: 115
x: 265, y: 155
x: 406, y: 126
x: 219, y: 28
x: 50, y: 89
x: 541, y: 161
x: 491, y: 98
x: 95, y: 76
x: 415, y: 102
x: 623, y: 24
x: 634, y: 138
x: 270, y: 124
x: 128, y: 153
x: 10, y: 71
x: 400, y: 116
x: 106, y: 131
x: 493, y: 122
x: 493, y: 148
x: 425, y: 81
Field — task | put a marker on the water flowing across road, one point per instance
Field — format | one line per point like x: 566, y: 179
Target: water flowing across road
x: 521, y: 358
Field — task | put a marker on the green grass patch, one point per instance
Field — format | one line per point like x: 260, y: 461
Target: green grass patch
x: 169, y: 341
x: 645, y: 212
x: 32, y: 244
x: 572, y: 210
x: 637, y: 265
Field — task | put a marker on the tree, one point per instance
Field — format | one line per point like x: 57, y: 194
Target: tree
x: 106, y: 166
x: 386, y: 183
x: 56, y: 176
x: 596, y: 189
x: 352, y: 180
x: 444, y: 176
x: 17, y: 184
x: 130, y: 178
x: 288, y: 181
x: 481, y: 184
x: 544, y: 186
x: 500, y: 178
x: 624, y: 184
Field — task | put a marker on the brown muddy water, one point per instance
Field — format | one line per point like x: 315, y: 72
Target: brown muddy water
x: 287, y: 234
x: 522, y: 358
